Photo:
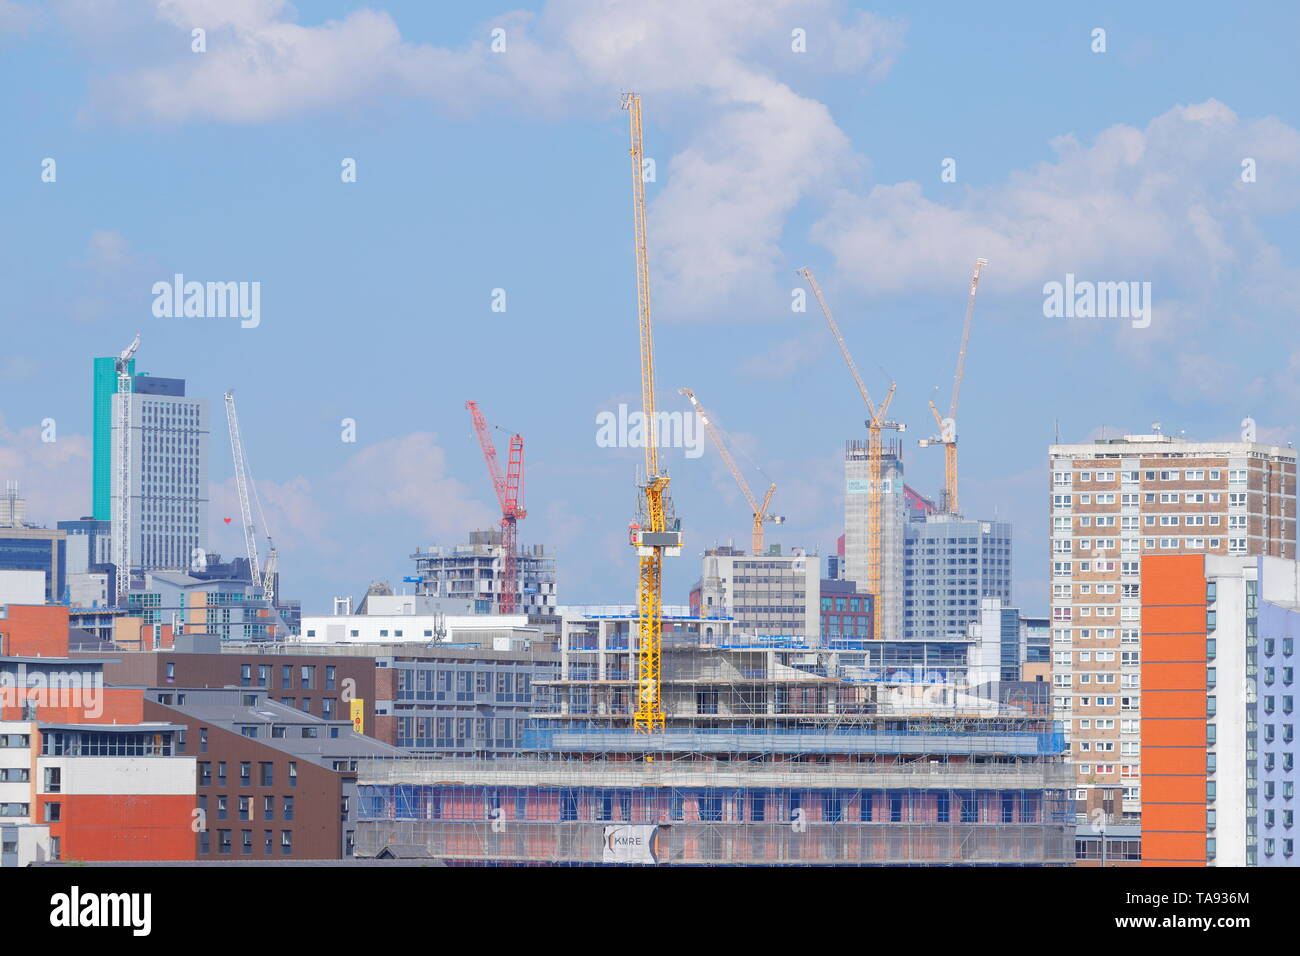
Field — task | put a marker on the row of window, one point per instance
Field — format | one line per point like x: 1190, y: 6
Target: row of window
x: 266, y: 773
x: 246, y: 842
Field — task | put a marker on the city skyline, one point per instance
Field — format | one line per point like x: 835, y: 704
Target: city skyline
x: 372, y: 291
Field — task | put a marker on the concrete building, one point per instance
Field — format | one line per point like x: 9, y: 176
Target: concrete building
x: 894, y: 505
x: 770, y: 756
x: 169, y: 475
x: 950, y: 565
x: 472, y: 572
x: 774, y: 594
x: 504, y: 630
x: 1113, y: 504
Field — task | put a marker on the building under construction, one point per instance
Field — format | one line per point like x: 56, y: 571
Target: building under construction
x: 772, y: 754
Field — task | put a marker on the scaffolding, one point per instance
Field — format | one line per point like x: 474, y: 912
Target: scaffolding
x: 769, y: 756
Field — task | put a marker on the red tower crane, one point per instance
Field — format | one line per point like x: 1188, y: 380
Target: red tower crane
x: 510, y: 495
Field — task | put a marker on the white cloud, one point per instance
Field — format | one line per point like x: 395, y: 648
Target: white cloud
x: 54, y: 476
x: 758, y: 149
x: 111, y: 279
x: 408, y: 476
x: 1163, y: 201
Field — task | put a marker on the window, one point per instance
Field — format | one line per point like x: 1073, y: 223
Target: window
x: 223, y: 841
x: 286, y: 842
x: 267, y: 773
x: 288, y: 808
x: 293, y: 773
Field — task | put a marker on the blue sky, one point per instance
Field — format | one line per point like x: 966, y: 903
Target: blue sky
x: 480, y: 170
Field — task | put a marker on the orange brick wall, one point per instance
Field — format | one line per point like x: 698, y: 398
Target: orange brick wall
x: 1173, y: 710
x: 35, y: 630
x: 116, y: 827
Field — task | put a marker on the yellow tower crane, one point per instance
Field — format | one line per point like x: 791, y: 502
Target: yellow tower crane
x: 760, y: 511
x: 656, y: 533
x: 876, y: 424
x: 947, y: 436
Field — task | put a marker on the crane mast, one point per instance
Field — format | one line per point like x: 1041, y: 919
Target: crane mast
x: 760, y: 512
x: 241, y: 485
x: 947, y: 436
x: 258, y: 573
x: 122, y: 537
x: 510, y: 492
x: 657, y: 532
x: 876, y: 424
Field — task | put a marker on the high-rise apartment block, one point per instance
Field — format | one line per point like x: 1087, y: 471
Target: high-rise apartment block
x: 1114, y: 503
x: 935, y: 567
x: 168, y: 513
x: 888, y: 604
x: 472, y: 572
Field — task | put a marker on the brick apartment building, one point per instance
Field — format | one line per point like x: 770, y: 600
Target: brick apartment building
x: 85, y: 774
x: 272, y: 782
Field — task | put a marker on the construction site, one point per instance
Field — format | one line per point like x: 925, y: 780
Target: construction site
x: 703, y: 740
x: 769, y: 755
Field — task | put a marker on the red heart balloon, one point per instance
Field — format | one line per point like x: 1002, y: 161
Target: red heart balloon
x: 227, y: 521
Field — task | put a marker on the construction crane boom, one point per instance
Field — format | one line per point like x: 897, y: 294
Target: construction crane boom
x: 947, y: 436
x: 241, y: 486
x: 259, y: 573
x: 122, y: 474
x: 657, y: 532
x: 509, y: 489
x: 876, y: 424
x: 760, y: 512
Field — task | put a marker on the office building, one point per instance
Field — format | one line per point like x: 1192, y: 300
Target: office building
x: 773, y: 594
x: 950, y: 565
x: 168, y: 474
x: 103, y: 387
x: 1113, y: 504
x: 37, y: 549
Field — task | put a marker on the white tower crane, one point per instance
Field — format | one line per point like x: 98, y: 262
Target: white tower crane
x: 121, y: 527
x: 265, y: 576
